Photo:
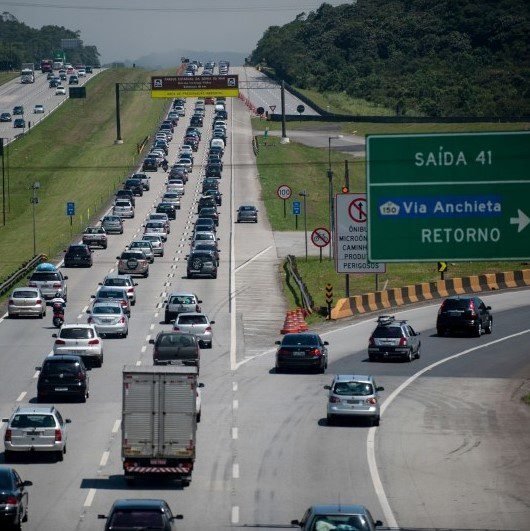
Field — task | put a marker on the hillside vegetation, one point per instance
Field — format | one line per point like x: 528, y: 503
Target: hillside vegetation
x: 443, y: 58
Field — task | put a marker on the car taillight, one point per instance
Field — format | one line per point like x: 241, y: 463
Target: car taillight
x: 372, y: 401
x: 32, y: 284
x: 123, y: 303
x: 94, y: 342
x: 208, y: 329
x: 403, y: 342
x: 442, y: 308
x: 58, y: 436
x: 334, y: 399
x: 60, y: 342
x: 11, y: 301
x: 57, y: 285
x: 122, y: 320
x: 371, y: 342
x: 11, y: 500
x: 90, y: 320
x: 130, y: 290
x: 315, y: 352
x: 472, y: 310
x: 81, y: 376
x: 283, y: 352
x: 176, y: 328
x: 38, y: 301
x: 7, y: 436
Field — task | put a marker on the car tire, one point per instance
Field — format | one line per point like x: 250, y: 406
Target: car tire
x: 60, y: 454
x: 214, y: 275
x: 25, y: 518
x: 330, y: 419
x: 167, y: 319
x: 418, y: 353
x: 41, y: 315
x: 82, y: 398
x: 489, y: 329
x: 105, y: 246
x: 375, y: 421
x: 99, y: 361
x: 410, y: 356
x: 372, y: 358
x: 199, y: 416
x: 440, y: 332
x: 278, y: 369
x: 133, y: 303
x: 478, y: 330
x: 40, y: 398
x: 8, y: 456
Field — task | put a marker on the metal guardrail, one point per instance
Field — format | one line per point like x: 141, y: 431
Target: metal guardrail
x: 307, y: 299
x: 19, y: 273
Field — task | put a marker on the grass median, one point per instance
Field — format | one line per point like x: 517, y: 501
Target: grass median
x: 304, y: 168
x: 73, y: 156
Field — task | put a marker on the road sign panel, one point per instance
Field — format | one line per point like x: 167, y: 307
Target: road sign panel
x: 194, y: 86
x: 320, y: 237
x: 448, y: 196
x: 297, y: 208
x: 351, y: 254
x: 284, y: 191
x: 272, y: 108
x: 329, y: 293
x: 442, y: 266
x: 70, y: 208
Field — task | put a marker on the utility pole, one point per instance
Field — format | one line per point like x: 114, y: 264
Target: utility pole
x: 284, y: 139
x: 330, y: 196
x: 3, y: 183
x: 34, y: 201
x: 118, y: 121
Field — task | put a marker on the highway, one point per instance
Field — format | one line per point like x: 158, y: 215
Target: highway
x: 452, y: 449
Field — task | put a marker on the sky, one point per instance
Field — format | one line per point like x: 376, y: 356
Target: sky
x: 128, y: 29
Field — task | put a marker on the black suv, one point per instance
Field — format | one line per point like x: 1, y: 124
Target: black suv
x: 210, y: 183
x: 64, y: 375
x: 214, y: 169
x: 140, y: 514
x: 150, y: 164
x: 393, y: 339
x: 167, y: 208
x: 126, y: 194
x: 206, y: 201
x: 135, y: 186
x: 78, y: 255
x: 464, y: 314
x: 201, y: 264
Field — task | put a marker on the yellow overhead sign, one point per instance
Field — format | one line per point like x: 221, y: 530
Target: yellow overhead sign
x: 194, y: 86
x: 196, y: 93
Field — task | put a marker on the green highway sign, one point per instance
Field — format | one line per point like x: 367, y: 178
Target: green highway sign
x: 455, y: 196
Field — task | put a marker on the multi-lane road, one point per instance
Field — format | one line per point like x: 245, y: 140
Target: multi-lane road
x: 452, y: 449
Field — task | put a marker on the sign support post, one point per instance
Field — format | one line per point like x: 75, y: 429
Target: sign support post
x: 284, y: 192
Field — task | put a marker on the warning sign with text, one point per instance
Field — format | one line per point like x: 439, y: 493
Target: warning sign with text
x: 351, y: 238
x: 194, y: 86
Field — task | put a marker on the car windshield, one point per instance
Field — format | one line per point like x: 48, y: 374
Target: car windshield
x: 456, y: 304
x: 116, y: 282
x: 26, y: 294
x: 33, y: 421
x: 136, y: 519
x: 300, y: 340
x: 64, y: 367
x: 353, y: 388
x: 181, y: 299
x: 77, y: 333
x: 106, y: 310
x: 192, y: 319
x: 387, y: 332
x: 344, y: 522
x: 45, y: 277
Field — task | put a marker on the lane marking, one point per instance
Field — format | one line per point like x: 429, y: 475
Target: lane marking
x: 36, y: 375
x: 235, y: 471
x: 235, y: 434
x: 84, y: 309
x: 104, y: 458
x: 235, y: 405
x: 232, y: 293
x: 389, y: 517
x: 156, y: 315
x: 21, y: 396
x: 80, y: 315
x: 152, y: 327
x: 116, y: 427
x: 89, y: 498
x: 143, y: 349
x: 234, y: 386
x: 244, y: 264
x: 235, y: 514
x: 138, y: 363
x: 147, y: 338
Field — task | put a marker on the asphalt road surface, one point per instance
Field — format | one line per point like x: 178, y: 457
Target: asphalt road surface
x: 452, y: 449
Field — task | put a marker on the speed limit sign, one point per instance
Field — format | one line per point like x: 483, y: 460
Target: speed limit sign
x: 284, y: 192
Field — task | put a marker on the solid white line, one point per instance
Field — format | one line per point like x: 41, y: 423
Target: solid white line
x: 21, y: 396
x: 389, y: 518
x: 116, y: 426
x: 104, y: 458
x: 235, y: 405
x: 89, y: 498
x: 253, y: 258
x: 233, y: 331
x: 235, y: 514
x: 235, y: 434
x: 36, y: 375
x: 235, y: 471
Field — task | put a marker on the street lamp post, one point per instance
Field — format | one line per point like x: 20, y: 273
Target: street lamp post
x: 34, y: 201
x: 304, y: 194
x: 330, y: 196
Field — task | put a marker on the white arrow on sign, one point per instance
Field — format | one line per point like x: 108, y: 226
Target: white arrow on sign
x: 522, y: 220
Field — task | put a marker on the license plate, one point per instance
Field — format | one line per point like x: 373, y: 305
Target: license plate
x: 298, y: 353
x: 352, y: 402
x: 106, y: 320
x: 61, y: 389
x: 158, y: 461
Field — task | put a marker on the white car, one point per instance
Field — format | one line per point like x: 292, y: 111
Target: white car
x: 81, y: 340
x: 180, y: 110
x: 81, y: 72
x: 175, y: 185
x: 144, y: 246
x: 123, y: 209
x: 60, y: 91
x: 123, y: 281
x: 38, y: 109
x: 186, y: 148
x: 173, y: 198
x: 186, y: 163
x: 157, y: 227
x: 156, y: 241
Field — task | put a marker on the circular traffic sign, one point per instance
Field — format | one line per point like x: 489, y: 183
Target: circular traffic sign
x: 300, y: 109
x: 260, y: 111
x: 357, y: 210
x: 284, y: 191
x: 320, y: 237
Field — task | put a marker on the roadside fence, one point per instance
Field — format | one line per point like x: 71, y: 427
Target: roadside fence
x: 24, y: 269
x: 291, y: 270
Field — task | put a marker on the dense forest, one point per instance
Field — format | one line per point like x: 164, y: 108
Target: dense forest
x: 439, y: 58
x: 20, y: 43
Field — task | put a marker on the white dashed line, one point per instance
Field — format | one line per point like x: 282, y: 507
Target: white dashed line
x: 235, y: 433
x: 80, y: 315
x: 84, y: 309
x: 36, y: 375
x: 111, y: 270
x: 147, y: 338
x: 235, y: 405
x: 235, y: 514
x: 234, y: 386
x: 143, y: 349
x: 235, y: 471
x: 21, y: 396
x: 152, y: 327
x: 138, y: 363
x: 156, y: 315
x: 89, y: 498
x: 116, y: 426
x: 104, y: 458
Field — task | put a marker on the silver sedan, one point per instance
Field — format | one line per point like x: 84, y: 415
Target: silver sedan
x: 109, y: 319
x: 26, y: 301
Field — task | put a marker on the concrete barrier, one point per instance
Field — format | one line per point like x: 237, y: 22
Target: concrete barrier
x: 396, y: 297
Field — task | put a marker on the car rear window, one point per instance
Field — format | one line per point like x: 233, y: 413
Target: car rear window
x: 45, y: 277
x: 192, y: 319
x: 353, y: 388
x: 128, y: 254
x: 456, y: 304
x: 29, y: 294
x: 175, y: 340
x: 56, y: 367
x: 77, y: 333
x: 202, y: 256
x: 110, y: 294
x: 136, y: 519
x: 33, y: 421
x: 302, y: 340
x: 77, y: 249
x: 180, y: 299
x: 116, y: 282
x: 106, y: 310
x: 387, y: 332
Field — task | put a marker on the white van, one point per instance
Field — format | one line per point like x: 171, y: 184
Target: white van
x: 217, y: 142
x: 219, y: 107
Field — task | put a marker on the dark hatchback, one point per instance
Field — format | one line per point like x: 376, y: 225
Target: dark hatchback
x: 210, y: 183
x: 65, y: 375
x: 201, y: 264
x: 175, y: 348
x: 135, y: 186
x: 13, y: 499
x: 302, y: 351
x: 216, y: 194
x: 214, y: 170
x: 78, y: 256
x: 130, y: 514
x: 464, y: 314
x: 126, y: 194
x: 211, y: 213
x: 206, y: 201
x: 209, y: 247
x: 150, y: 164
x: 167, y: 208
x: 19, y: 123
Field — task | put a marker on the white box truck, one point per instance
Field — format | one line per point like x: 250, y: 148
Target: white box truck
x: 159, y: 422
x: 27, y: 73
